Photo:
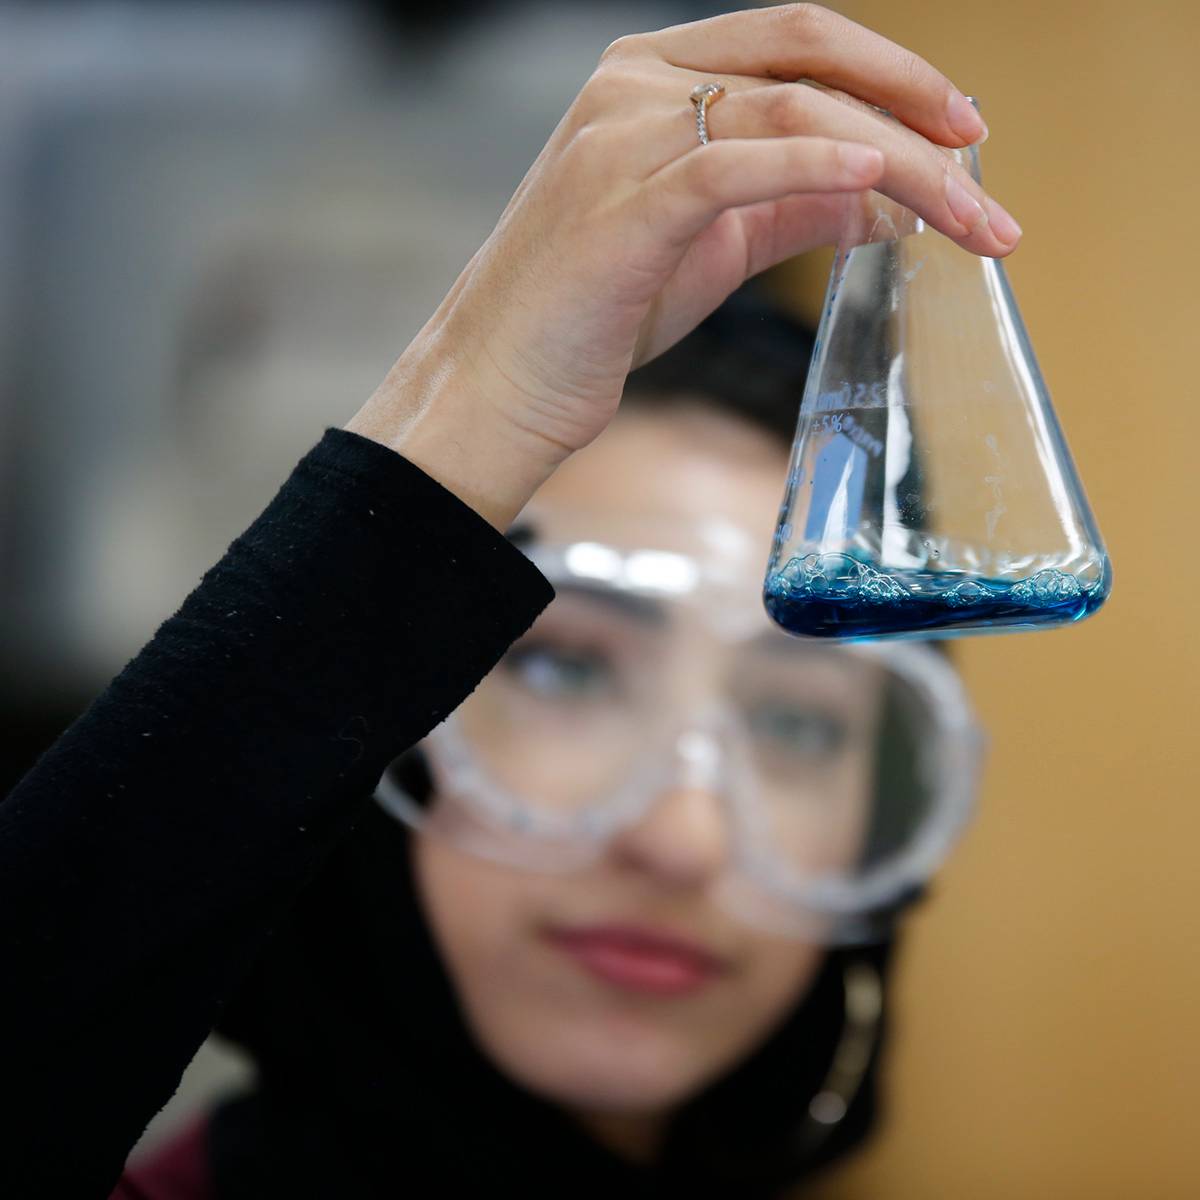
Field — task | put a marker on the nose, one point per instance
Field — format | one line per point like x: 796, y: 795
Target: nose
x: 681, y: 841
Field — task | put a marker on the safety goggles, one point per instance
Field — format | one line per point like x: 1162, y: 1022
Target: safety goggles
x: 843, y: 774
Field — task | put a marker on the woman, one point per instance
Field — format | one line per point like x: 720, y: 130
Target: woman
x: 566, y: 958
x: 210, y: 797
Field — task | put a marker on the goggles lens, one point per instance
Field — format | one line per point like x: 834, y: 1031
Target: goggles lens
x: 843, y: 772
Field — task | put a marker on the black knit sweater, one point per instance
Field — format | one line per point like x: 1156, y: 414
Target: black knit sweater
x: 147, y: 855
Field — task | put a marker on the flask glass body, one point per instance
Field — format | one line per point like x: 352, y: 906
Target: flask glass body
x: 930, y: 491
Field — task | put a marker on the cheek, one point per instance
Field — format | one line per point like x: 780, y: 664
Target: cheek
x: 822, y: 825
x: 476, y: 911
x: 854, y: 786
x: 485, y: 920
x: 779, y: 973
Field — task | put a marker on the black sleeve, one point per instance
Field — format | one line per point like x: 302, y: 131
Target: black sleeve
x: 146, y: 855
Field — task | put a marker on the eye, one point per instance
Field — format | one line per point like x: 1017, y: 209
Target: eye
x: 797, y: 728
x: 561, y: 672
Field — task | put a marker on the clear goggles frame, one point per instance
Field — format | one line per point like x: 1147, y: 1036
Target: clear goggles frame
x: 842, y: 774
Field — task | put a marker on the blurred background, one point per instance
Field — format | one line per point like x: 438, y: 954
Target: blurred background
x: 220, y: 223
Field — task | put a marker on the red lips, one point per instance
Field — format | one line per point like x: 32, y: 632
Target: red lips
x: 639, y: 959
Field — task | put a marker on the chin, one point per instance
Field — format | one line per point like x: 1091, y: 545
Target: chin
x: 597, y: 1068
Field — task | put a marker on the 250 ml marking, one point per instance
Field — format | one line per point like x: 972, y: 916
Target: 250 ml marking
x: 852, y: 395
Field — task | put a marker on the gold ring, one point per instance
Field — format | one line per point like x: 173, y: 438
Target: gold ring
x: 704, y: 94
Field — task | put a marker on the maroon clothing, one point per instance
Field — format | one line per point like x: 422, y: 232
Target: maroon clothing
x: 178, y: 1169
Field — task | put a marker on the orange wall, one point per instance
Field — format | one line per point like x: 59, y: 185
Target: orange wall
x: 1047, y: 1036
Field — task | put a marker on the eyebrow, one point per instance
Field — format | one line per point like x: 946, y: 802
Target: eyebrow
x: 769, y: 641
x: 772, y: 643
x: 651, y: 612
x: 644, y: 609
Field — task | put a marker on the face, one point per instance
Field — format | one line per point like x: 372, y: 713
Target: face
x: 622, y: 987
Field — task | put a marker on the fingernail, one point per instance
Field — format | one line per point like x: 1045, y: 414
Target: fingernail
x: 968, y: 212
x: 1002, y: 224
x: 963, y: 119
x: 860, y: 162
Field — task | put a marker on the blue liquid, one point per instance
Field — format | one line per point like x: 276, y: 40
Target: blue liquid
x: 839, y: 596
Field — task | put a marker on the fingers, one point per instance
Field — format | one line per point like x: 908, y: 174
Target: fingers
x: 799, y: 41
x: 689, y: 193
x: 916, y: 173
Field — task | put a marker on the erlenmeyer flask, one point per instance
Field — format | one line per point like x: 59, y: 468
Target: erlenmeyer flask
x: 930, y: 491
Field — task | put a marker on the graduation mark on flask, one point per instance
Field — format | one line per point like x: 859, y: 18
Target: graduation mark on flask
x: 852, y: 395
x: 846, y: 424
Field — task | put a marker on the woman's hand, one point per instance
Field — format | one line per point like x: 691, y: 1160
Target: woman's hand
x: 626, y: 231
